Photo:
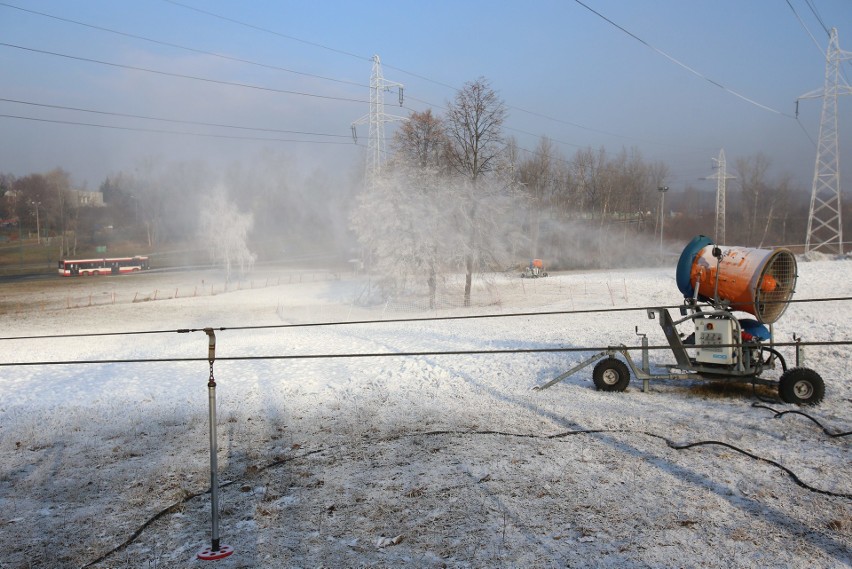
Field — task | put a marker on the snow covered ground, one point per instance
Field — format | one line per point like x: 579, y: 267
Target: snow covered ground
x: 414, y: 461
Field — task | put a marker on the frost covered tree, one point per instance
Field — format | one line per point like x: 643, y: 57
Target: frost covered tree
x: 405, y: 221
x: 223, y: 230
x: 474, y: 125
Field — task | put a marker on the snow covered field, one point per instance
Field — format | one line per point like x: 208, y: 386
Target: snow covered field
x: 415, y: 461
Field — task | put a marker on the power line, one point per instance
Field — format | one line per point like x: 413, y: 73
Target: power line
x: 186, y: 48
x: 266, y: 30
x: 322, y: 46
x: 306, y: 42
x: 162, y: 131
x: 412, y: 74
x: 249, y: 62
x: 681, y: 64
x: 802, y: 23
x: 816, y: 14
x: 175, y: 121
x: 182, y: 76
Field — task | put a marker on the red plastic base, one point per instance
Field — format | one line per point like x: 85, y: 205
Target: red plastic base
x: 210, y: 555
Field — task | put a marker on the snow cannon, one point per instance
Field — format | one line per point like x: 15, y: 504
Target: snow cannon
x: 758, y: 281
x: 722, y: 347
x: 534, y: 270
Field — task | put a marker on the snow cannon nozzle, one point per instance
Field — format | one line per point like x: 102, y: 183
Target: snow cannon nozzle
x: 758, y: 281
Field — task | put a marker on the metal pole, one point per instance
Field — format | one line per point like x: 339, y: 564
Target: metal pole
x: 662, y: 190
x: 646, y: 365
x: 216, y: 550
x: 38, y: 226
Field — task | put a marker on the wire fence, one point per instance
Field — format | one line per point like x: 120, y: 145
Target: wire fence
x: 96, y: 296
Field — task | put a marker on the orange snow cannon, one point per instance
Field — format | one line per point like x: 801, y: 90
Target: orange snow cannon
x: 534, y: 270
x: 716, y: 282
x: 757, y: 281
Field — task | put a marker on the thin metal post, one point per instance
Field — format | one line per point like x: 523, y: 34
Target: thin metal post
x: 800, y: 351
x: 646, y: 365
x: 216, y: 549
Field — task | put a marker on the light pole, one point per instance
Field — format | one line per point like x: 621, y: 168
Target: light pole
x: 38, y: 226
x: 662, y: 190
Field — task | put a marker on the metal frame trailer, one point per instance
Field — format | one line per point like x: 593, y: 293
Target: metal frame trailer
x: 721, y: 355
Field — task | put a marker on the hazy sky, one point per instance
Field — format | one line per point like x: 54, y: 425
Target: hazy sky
x: 564, y: 72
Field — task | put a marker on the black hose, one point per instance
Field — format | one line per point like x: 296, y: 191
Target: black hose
x: 777, y: 354
x: 779, y: 414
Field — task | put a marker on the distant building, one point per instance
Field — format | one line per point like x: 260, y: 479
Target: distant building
x: 88, y: 199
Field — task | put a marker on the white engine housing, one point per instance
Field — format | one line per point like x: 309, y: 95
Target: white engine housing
x: 711, y: 334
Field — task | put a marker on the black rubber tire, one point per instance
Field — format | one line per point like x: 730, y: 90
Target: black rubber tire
x: 611, y: 375
x: 802, y: 386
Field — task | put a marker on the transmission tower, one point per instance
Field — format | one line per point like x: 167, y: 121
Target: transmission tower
x: 721, y: 178
x: 377, y: 118
x: 825, y: 227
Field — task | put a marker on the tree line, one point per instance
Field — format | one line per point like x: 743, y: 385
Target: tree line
x: 455, y: 194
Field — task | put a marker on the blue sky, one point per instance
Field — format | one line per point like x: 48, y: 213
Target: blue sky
x: 564, y: 72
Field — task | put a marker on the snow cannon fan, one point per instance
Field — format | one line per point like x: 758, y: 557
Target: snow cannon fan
x: 758, y: 281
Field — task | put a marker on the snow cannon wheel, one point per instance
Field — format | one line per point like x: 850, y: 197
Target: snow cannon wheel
x: 611, y: 375
x: 801, y: 386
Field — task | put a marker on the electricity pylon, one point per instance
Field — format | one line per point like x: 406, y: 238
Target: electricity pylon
x: 721, y: 177
x: 377, y: 118
x: 825, y: 226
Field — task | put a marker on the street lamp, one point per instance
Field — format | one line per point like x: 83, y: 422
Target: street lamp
x: 38, y: 226
x: 662, y: 190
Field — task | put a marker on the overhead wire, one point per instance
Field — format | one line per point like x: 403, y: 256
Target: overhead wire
x: 407, y: 72
x: 683, y: 65
x: 266, y: 30
x: 176, y: 132
x: 819, y: 48
x: 185, y: 76
x: 808, y: 31
x: 817, y: 15
x: 183, y: 47
x: 239, y: 60
x: 315, y: 44
x: 350, y: 54
x: 455, y: 88
x: 170, y: 120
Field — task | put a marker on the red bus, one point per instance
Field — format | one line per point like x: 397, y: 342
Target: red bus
x: 110, y: 266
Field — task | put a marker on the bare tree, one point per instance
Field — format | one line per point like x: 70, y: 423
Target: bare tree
x: 474, y: 124
x: 751, y: 175
x: 421, y: 141
x: 536, y: 174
